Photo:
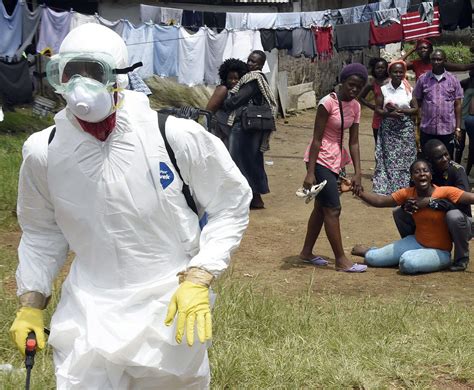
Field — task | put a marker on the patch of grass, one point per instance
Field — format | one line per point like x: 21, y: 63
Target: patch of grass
x: 264, y: 341
x: 22, y: 120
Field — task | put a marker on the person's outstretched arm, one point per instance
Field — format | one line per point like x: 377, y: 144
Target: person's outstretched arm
x: 466, y: 198
x: 452, y: 67
x: 377, y: 200
x: 405, y: 58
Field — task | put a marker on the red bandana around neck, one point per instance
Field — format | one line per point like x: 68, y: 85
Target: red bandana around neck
x: 100, y: 130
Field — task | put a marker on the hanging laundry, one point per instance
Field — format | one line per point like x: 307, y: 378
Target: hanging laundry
x: 401, y: 5
x: 54, y: 27
x: 261, y: 20
x: 316, y: 18
x: 323, y: 41
x: 78, y: 19
x: 215, y: 20
x: 346, y: 15
x: 288, y: 20
x: 192, y: 20
x: 10, y: 30
x: 333, y: 18
x: 388, y: 33
x: 414, y: 28
x: 455, y: 13
x: 236, y: 21
x: 303, y: 43
x: 387, y: 15
x: 268, y: 39
x: 191, y: 56
x: 116, y: 26
x: 352, y: 36
x: 160, y: 15
x: 30, y: 24
x: 241, y: 43
x: 368, y: 12
x: 426, y: 11
x: 357, y: 13
x: 385, y: 4
x: 283, y: 39
x: 15, y: 80
x: 215, y: 45
x: 139, y: 41
x: 165, y: 50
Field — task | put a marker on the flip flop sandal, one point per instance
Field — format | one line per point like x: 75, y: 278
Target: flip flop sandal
x: 310, y: 194
x: 356, y: 268
x: 318, y: 260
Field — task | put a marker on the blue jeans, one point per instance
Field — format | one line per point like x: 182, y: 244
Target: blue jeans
x: 409, y: 255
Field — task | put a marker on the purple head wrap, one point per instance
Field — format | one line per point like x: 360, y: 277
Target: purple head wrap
x: 354, y: 69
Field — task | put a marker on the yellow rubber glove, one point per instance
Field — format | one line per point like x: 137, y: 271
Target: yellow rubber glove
x: 28, y: 319
x: 191, y: 302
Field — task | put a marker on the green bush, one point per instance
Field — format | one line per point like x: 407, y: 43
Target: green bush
x: 457, y: 54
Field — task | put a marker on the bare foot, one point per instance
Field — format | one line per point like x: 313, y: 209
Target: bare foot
x: 359, y: 250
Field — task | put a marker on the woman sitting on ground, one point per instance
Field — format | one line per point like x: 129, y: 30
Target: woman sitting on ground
x: 429, y: 249
x: 247, y: 147
x: 396, y: 144
x: 230, y: 72
x: 379, y: 71
x: 326, y: 158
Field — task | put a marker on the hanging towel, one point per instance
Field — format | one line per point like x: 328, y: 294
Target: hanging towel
x: 10, y: 30
x: 333, y: 18
x: 426, y: 11
x: 268, y: 39
x: 116, y: 26
x: 388, y: 33
x: 54, y: 27
x: 402, y: 5
x: 357, y: 13
x: 171, y: 16
x: 288, y: 20
x: 387, y: 15
x: 261, y: 20
x: 454, y: 13
x: 15, y: 80
x: 241, y: 43
x: 303, y: 43
x: 385, y: 4
x: 191, y: 56
x: 215, y: 20
x: 323, y: 41
x: 368, y: 12
x: 139, y: 41
x: 78, y: 19
x: 346, y: 15
x: 160, y: 15
x: 165, y: 50
x: 192, y: 20
x: 30, y: 24
x: 283, y: 39
x: 414, y: 28
x: 310, y: 19
x: 215, y: 45
x: 236, y: 21
x: 352, y: 36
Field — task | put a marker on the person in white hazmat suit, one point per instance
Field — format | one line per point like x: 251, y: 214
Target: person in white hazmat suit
x: 105, y: 188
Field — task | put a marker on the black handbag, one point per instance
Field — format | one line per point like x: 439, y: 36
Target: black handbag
x: 257, y: 117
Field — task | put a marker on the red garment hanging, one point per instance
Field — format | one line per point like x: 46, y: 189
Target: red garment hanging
x: 323, y: 41
x: 382, y: 35
x: 415, y: 28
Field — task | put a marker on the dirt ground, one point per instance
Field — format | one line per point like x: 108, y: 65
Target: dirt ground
x: 270, y: 248
x: 269, y: 251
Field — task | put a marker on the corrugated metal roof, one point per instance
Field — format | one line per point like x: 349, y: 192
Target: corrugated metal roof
x: 261, y: 1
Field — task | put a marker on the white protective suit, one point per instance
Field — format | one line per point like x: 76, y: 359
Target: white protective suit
x: 119, y: 206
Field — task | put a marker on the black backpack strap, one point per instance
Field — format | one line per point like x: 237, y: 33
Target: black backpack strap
x: 51, y: 135
x: 186, y: 191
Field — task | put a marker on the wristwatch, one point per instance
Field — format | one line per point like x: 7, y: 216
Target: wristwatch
x: 457, y: 129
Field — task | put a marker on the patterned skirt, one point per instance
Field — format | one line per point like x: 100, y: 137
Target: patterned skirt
x: 394, y: 153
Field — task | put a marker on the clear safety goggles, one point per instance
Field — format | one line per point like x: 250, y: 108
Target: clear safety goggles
x: 62, y: 68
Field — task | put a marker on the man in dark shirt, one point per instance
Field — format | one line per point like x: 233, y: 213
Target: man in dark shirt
x: 458, y: 217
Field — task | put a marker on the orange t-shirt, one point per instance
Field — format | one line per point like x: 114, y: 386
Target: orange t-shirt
x: 431, y: 228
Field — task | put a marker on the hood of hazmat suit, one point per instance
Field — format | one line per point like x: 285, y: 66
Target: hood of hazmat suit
x: 118, y: 205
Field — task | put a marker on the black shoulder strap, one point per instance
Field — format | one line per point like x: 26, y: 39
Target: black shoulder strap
x: 342, y: 120
x: 186, y: 192
x: 51, y: 135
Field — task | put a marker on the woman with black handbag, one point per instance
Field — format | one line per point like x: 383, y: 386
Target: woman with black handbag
x: 326, y: 159
x: 252, y: 108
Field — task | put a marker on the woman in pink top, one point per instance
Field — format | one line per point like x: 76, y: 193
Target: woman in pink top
x: 379, y: 71
x: 325, y: 159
